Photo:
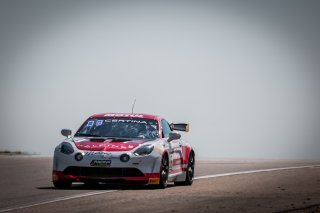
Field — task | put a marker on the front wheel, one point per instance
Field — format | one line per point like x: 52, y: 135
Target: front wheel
x: 189, y: 173
x: 164, y: 172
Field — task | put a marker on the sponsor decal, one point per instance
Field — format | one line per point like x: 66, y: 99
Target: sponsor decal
x: 124, y: 115
x: 105, y: 147
x: 154, y: 181
x: 101, y: 163
x: 176, y: 156
x: 119, y: 146
x: 125, y: 121
x: 99, y: 122
x: 103, y: 155
x: 90, y: 123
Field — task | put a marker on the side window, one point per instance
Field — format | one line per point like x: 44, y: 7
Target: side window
x: 165, y: 128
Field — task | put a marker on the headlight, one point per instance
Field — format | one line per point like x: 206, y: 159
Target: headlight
x: 66, y: 148
x: 143, y: 150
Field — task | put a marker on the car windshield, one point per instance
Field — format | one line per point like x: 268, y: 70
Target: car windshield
x: 137, y: 128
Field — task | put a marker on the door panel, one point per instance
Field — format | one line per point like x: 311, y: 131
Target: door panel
x: 175, y: 156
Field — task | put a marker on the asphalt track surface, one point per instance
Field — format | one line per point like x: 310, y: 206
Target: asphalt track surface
x: 220, y: 186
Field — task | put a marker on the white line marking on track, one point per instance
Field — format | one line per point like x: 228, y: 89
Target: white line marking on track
x: 254, y: 171
x: 57, y: 200
x: 109, y: 191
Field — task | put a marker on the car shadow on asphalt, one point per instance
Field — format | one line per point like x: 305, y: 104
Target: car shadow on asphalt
x: 80, y: 186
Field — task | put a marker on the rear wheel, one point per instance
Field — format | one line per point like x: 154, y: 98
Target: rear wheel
x: 62, y: 184
x: 189, y: 172
x: 164, y: 172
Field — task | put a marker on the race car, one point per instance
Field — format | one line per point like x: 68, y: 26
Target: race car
x: 124, y: 147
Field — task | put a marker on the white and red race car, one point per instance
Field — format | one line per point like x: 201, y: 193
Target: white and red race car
x: 121, y: 147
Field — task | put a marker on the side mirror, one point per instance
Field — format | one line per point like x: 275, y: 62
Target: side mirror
x: 66, y: 132
x: 174, y: 136
x: 180, y: 127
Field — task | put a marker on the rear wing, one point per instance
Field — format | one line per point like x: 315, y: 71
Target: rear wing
x: 180, y: 127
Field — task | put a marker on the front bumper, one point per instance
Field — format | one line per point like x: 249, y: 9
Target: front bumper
x: 147, y: 178
x: 144, y: 169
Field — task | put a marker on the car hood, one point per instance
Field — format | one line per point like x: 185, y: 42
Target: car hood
x: 108, y: 146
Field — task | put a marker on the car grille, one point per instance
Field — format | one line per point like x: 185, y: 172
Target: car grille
x: 102, y: 172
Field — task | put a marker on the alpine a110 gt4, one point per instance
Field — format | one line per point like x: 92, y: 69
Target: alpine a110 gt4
x: 123, y: 147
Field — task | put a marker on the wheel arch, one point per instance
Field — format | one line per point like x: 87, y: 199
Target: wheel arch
x: 187, y: 152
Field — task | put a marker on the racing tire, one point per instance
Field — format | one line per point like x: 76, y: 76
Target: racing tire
x: 62, y: 184
x: 164, y: 172
x: 189, y: 173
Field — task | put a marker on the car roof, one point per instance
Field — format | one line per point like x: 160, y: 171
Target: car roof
x: 126, y: 115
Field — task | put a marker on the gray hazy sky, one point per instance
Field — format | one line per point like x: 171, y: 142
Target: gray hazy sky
x: 245, y: 74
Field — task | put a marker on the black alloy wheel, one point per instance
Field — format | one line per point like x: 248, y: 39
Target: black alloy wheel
x: 164, y: 172
x: 190, y: 170
x: 189, y: 173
